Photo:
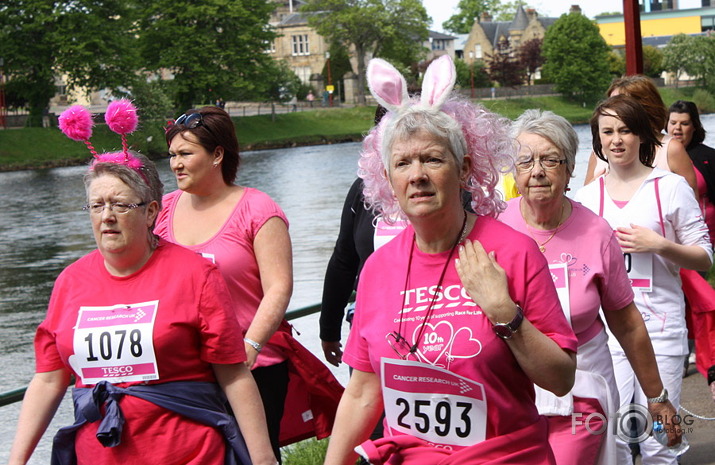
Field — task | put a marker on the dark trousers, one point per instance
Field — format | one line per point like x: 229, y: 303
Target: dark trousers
x: 272, y: 382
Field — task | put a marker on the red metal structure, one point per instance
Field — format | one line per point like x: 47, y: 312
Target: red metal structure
x: 634, y: 45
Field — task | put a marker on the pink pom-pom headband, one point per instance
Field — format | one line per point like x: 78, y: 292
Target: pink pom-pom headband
x: 121, y: 117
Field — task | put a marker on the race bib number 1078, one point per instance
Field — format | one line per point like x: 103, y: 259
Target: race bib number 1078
x: 115, y: 343
x: 433, y: 404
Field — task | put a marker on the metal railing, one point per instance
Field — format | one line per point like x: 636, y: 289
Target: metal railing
x: 16, y: 395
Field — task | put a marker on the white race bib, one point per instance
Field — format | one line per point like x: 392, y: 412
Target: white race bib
x: 433, y: 404
x: 639, y: 267
x: 115, y: 344
x: 385, y: 232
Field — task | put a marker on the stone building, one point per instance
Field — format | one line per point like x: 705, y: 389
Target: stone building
x: 486, y: 35
x: 297, y: 43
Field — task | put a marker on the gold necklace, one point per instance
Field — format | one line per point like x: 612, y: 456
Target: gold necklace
x: 542, y: 245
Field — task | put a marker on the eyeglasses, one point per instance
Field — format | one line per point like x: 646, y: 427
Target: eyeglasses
x: 549, y: 163
x: 116, y: 207
x: 400, y: 345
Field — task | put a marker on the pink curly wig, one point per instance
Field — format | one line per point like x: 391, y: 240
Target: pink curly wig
x: 478, y: 133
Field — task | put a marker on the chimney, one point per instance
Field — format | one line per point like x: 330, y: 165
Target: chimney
x: 575, y: 9
x: 531, y: 14
x: 486, y: 17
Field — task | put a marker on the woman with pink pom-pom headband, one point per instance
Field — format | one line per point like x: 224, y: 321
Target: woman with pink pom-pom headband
x: 121, y: 116
x: 146, y: 328
x: 457, y: 316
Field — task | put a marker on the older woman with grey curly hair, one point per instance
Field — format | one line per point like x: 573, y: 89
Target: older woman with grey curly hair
x: 456, y: 318
x: 589, y: 273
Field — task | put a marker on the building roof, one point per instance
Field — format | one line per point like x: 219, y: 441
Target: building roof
x: 440, y: 35
x: 293, y: 19
x: 520, y: 20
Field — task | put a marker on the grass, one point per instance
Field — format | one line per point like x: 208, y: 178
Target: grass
x: 513, y: 107
x: 28, y: 148
x: 308, y: 452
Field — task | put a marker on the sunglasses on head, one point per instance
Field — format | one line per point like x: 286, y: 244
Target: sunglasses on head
x: 189, y: 121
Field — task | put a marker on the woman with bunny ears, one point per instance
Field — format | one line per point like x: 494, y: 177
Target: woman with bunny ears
x: 457, y: 316
x: 147, y: 329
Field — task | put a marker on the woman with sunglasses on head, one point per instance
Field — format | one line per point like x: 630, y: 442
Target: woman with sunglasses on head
x: 146, y: 328
x: 456, y: 318
x: 670, y: 154
x: 659, y: 229
x: 240, y: 229
x: 588, y: 270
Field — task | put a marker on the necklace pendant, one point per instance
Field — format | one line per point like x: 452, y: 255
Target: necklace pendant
x: 542, y: 248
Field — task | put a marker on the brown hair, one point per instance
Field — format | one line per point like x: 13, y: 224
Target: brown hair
x: 631, y: 112
x: 216, y: 130
x: 641, y: 88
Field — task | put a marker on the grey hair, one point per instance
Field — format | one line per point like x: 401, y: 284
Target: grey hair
x: 550, y: 126
x: 435, y: 123
x: 144, y: 181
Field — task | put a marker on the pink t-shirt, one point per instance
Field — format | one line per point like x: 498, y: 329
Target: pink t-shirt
x: 597, y: 276
x: 458, y: 337
x: 231, y: 249
x: 183, y: 323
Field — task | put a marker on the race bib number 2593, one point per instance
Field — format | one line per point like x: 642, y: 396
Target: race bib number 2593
x: 433, y: 404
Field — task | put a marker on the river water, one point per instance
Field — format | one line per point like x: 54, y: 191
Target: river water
x: 43, y: 229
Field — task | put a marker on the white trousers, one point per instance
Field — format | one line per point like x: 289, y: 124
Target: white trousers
x: 671, y: 373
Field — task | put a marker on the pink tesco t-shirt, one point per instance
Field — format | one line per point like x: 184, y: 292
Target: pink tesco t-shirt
x: 458, y: 336
x: 597, y: 276
x: 231, y: 249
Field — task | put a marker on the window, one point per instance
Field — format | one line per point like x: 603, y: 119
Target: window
x: 271, y: 47
x: 707, y: 23
x: 303, y: 73
x: 300, y: 44
x: 478, y: 51
x: 438, y: 44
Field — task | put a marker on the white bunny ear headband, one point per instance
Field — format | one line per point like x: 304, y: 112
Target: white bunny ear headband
x: 389, y: 87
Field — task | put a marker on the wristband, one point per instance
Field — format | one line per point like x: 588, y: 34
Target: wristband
x: 253, y: 344
x: 660, y: 399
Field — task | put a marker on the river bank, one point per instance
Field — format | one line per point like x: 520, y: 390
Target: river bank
x: 37, y: 148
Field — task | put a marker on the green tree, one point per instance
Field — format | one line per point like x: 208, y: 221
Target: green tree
x: 677, y: 54
x: 702, y: 66
x: 367, y: 25
x: 475, y: 75
x: 469, y: 12
x: 652, y: 61
x: 213, y: 48
x: 506, y: 11
x: 616, y: 63
x: 88, y: 42
x: 576, y: 58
